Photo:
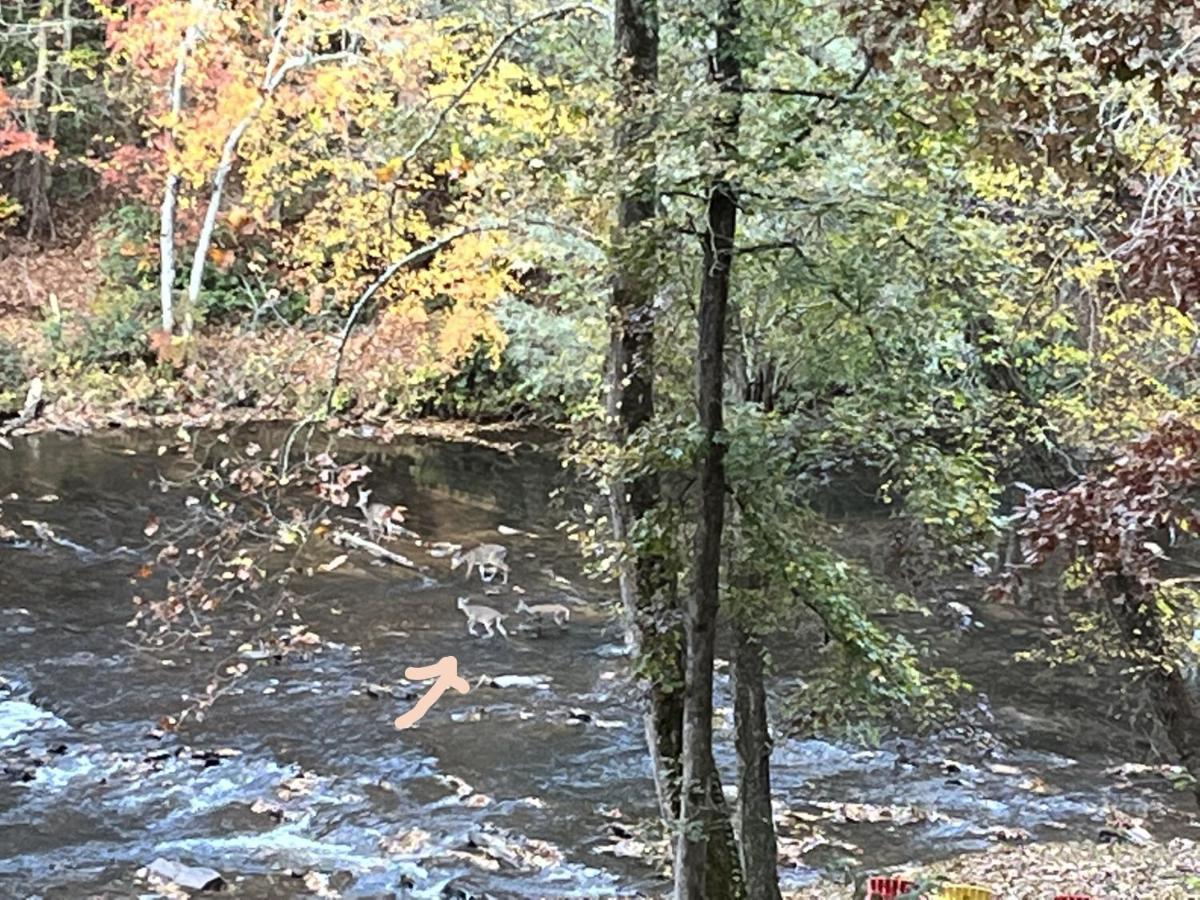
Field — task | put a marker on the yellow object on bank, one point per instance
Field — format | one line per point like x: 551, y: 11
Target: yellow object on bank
x: 964, y: 892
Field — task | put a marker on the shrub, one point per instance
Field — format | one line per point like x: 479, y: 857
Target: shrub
x: 14, y: 372
x: 128, y: 256
x: 552, y: 360
x: 129, y: 259
x: 550, y: 366
x: 114, y: 332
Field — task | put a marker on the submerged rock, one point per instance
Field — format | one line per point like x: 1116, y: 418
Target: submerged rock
x: 959, y: 615
x: 613, y: 651
x: 538, y: 682
x: 461, y: 892
x: 193, y: 878
x: 467, y: 889
x: 504, y: 846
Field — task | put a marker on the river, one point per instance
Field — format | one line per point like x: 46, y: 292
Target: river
x: 297, y: 782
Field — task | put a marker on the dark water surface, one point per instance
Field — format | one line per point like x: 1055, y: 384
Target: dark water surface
x: 300, y: 771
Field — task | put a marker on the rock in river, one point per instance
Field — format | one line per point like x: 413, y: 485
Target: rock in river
x: 193, y: 878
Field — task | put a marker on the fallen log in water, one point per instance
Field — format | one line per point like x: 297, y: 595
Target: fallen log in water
x: 345, y: 538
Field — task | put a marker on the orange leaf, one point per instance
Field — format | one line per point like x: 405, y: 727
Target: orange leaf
x: 237, y: 218
x: 159, y: 340
x: 166, y: 348
x: 222, y: 259
x: 386, y: 173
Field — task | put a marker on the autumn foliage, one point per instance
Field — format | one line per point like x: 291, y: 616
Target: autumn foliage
x: 15, y: 141
x: 1118, y: 521
x: 351, y: 135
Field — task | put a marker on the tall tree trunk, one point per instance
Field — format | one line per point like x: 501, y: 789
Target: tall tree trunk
x: 273, y: 76
x: 57, y: 77
x: 755, y: 824
x: 704, y: 817
x: 35, y: 180
x: 166, y: 226
x: 208, y: 226
x: 647, y: 588
x: 166, y: 252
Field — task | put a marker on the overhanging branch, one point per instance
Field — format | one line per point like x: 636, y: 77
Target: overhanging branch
x: 419, y: 255
x: 411, y: 258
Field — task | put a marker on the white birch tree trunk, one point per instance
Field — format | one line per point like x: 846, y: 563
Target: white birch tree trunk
x: 170, y: 201
x: 272, y: 78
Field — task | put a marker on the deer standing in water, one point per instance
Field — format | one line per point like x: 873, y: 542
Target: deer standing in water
x: 560, y: 613
x: 492, y: 620
x: 380, y: 517
x: 486, y: 556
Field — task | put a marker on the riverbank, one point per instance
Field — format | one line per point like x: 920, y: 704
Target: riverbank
x: 230, y: 377
x: 1117, y: 871
x: 60, y: 414
x: 94, y: 341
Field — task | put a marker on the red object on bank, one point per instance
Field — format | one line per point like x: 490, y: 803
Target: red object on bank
x: 885, y: 888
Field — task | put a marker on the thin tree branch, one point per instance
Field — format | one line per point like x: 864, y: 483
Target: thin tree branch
x: 273, y: 76
x: 488, y: 62
x: 816, y: 93
x: 793, y: 244
x: 411, y: 258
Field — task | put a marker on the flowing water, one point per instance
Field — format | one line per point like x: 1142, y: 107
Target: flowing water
x: 516, y: 791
